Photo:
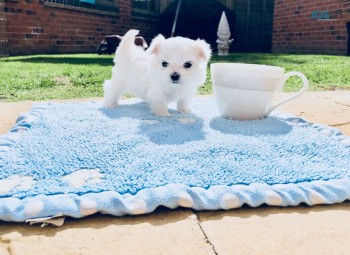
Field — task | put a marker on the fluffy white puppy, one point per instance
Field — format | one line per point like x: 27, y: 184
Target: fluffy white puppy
x: 170, y: 70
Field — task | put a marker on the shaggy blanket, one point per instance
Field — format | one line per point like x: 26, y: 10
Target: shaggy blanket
x: 77, y: 159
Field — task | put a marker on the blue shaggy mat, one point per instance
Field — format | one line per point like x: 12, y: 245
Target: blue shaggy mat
x: 78, y: 159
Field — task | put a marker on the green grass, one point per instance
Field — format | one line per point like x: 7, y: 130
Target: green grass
x: 42, y: 77
x: 53, y: 76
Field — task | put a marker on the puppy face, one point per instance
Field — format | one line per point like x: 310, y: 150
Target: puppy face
x: 180, y: 61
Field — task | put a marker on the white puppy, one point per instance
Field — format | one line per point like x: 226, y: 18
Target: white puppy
x: 169, y: 71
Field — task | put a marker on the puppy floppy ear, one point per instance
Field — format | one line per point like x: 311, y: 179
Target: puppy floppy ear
x: 202, y: 49
x: 140, y: 41
x: 156, y: 44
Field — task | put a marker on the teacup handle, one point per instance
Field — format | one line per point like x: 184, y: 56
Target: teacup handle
x: 281, y: 85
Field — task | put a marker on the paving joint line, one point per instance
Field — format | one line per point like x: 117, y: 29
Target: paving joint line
x: 340, y: 124
x: 205, y: 235
x: 342, y: 104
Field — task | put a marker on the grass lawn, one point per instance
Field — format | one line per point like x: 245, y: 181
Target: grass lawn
x: 41, y: 77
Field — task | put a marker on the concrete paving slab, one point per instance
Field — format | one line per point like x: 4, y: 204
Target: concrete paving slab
x: 331, y: 108
x: 163, y: 232
x: 293, y: 230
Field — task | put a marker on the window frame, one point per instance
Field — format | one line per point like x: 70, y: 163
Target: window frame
x: 83, y: 6
x: 142, y: 12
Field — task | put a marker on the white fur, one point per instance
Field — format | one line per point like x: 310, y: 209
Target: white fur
x: 142, y: 74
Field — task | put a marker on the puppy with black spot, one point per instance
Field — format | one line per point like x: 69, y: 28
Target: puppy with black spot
x: 170, y: 70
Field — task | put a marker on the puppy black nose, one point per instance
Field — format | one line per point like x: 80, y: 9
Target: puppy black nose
x: 175, y: 76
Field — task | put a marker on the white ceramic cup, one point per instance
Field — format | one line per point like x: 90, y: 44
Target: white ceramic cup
x: 246, y: 91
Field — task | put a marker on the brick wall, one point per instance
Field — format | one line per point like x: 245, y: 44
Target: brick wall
x: 310, y: 26
x: 38, y: 27
x: 3, y: 41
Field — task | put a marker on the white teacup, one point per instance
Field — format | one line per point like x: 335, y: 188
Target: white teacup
x: 246, y: 91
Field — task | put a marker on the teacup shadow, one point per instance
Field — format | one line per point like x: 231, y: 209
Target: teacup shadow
x: 270, y: 126
x: 136, y: 110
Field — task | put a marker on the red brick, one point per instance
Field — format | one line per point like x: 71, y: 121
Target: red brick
x: 68, y: 25
x: 317, y: 36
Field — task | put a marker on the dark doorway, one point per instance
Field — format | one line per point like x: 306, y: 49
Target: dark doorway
x: 250, y: 22
x: 254, y: 21
x: 196, y: 19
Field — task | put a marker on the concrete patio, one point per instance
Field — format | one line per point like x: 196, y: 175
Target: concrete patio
x: 265, y: 230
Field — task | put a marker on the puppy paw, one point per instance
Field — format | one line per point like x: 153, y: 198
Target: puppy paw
x: 163, y: 113
x: 159, y: 109
x: 110, y: 105
x: 183, y: 108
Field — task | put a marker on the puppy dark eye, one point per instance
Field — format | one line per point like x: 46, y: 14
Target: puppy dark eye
x: 165, y: 64
x: 187, y: 65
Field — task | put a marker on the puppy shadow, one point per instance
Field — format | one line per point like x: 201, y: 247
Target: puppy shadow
x: 178, y: 129
x: 133, y: 110
x: 270, y: 126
